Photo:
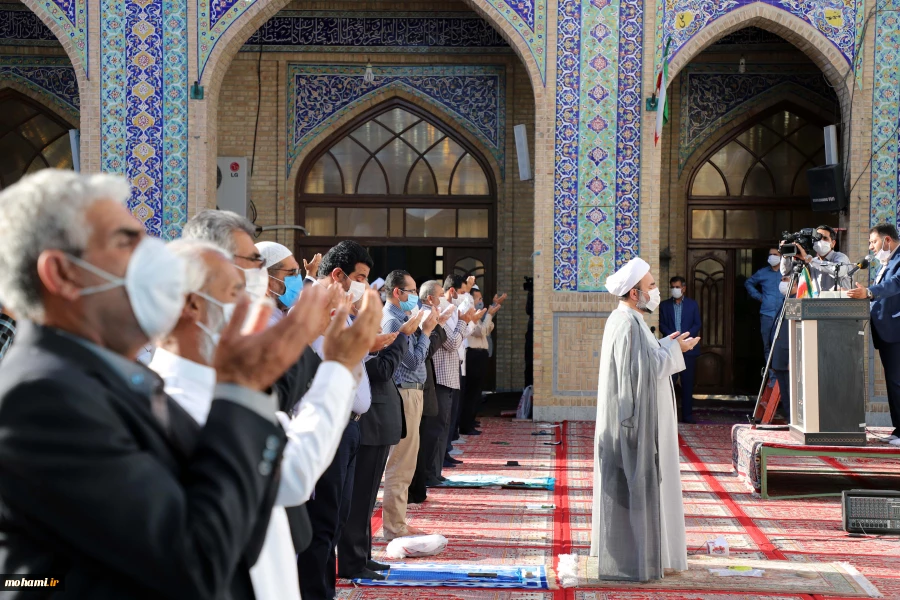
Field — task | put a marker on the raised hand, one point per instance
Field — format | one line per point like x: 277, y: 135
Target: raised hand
x: 470, y: 281
x: 430, y: 321
x: 478, y: 315
x: 499, y: 299
x: 494, y: 309
x: 684, y: 340
x: 312, y: 267
x: 411, y: 325
x: 348, y: 345
x: 382, y: 341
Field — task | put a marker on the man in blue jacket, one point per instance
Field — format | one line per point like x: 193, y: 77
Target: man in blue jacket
x: 682, y: 314
x: 884, y: 296
x: 763, y: 287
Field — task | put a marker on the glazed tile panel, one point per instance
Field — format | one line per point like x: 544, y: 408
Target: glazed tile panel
x: 474, y: 96
x: 46, y: 76
x: 597, y: 152
x: 885, y: 114
x: 72, y: 18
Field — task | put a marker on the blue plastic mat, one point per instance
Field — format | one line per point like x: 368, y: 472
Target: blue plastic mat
x: 457, y: 575
x: 481, y: 481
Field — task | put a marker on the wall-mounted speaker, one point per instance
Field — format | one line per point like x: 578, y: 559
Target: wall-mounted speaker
x: 522, y: 152
x: 826, y: 188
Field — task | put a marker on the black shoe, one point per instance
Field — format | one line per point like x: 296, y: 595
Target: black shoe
x: 455, y: 461
x: 377, y: 566
x: 434, y: 483
x: 477, y: 423
x: 471, y: 432
x: 365, y: 574
x: 449, y: 465
x: 416, y: 499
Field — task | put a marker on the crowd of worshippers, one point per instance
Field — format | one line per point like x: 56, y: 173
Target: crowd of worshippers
x: 245, y: 458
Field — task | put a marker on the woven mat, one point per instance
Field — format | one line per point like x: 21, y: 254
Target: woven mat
x: 781, y: 576
x: 483, y: 481
x: 531, y: 577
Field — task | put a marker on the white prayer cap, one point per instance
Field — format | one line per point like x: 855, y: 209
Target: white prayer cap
x: 273, y: 253
x: 475, y: 287
x: 377, y: 284
x: 623, y: 280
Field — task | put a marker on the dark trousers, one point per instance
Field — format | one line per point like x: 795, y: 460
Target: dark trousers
x: 890, y: 359
x: 418, y: 491
x: 476, y: 372
x: 455, y: 412
x: 687, y: 386
x: 784, y: 388
x: 765, y: 325
x: 355, y: 545
x: 328, y: 511
x: 438, y: 428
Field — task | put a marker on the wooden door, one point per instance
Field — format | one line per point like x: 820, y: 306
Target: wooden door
x: 711, y: 274
x: 480, y: 263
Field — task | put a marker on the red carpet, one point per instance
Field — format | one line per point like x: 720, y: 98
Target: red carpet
x: 503, y: 527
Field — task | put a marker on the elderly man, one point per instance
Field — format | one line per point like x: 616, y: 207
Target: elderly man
x: 182, y: 360
x: 146, y: 489
x: 285, y: 280
x: 638, y: 517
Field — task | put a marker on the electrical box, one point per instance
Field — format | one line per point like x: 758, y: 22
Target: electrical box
x: 232, y: 184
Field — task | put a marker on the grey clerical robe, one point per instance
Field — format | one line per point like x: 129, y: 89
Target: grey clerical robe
x: 638, y: 514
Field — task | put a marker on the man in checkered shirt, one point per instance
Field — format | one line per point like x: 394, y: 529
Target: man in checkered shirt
x: 7, y: 332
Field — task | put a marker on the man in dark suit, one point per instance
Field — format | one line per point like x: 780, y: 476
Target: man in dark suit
x: 104, y: 480
x: 884, y: 296
x: 682, y: 314
x: 419, y: 484
x: 380, y: 428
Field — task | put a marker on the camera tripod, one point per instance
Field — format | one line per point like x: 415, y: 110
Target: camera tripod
x: 795, y: 277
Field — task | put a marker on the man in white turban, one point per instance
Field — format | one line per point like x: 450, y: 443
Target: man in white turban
x: 638, y: 516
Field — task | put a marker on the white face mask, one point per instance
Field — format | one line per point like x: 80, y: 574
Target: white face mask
x: 216, y: 320
x: 652, y: 303
x: 154, y: 283
x: 357, y: 289
x: 256, y: 282
x: 774, y: 261
x: 822, y: 247
x: 884, y: 254
x: 784, y: 287
x: 676, y: 293
x: 444, y: 304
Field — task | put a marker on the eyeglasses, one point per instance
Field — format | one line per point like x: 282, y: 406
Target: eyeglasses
x: 293, y: 272
x: 408, y: 291
x: 254, y: 259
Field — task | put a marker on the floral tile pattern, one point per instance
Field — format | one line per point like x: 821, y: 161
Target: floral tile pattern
x: 47, y: 76
x: 885, y: 115
x: 72, y: 17
x: 474, y: 96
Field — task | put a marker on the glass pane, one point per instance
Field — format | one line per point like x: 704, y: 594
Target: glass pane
x: 14, y: 151
x: 784, y: 161
x: 442, y: 159
x: 805, y: 218
x: 422, y: 136
x: 372, y: 180
x: 470, y: 266
x: 13, y: 111
x: 733, y: 161
x: 40, y: 131
x: 782, y: 222
x: 397, y: 158
x: 759, y: 139
x: 469, y: 179
x: 439, y: 267
x: 749, y: 224
x: 708, y: 182
x: 808, y: 139
x: 421, y: 181
x: 397, y: 120
x: 784, y: 123
x: 362, y: 222
x: 372, y: 135
x: 801, y: 183
x: 319, y: 220
x: 59, y: 154
x: 430, y: 222
x: 36, y: 165
x: 396, y: 222
x: 323, y: 178
x: 351, y: 157
x: 473, y: 223
x: 759, y: 183
x: 707, y: 224
x: 819, y: 159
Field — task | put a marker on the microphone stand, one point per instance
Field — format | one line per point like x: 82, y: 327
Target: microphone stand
x: 795, y: 276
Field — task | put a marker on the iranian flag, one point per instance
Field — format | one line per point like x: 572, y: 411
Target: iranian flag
x: 806, y: 286
x: 662, y: 107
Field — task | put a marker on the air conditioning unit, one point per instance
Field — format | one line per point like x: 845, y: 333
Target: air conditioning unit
x: 232, y: 184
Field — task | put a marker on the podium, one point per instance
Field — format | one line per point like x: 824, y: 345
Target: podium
x: 827, y: 370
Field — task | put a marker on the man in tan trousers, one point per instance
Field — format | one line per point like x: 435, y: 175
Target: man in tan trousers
x: 400, y: 293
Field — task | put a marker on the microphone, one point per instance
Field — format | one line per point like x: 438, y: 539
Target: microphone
x: 862, y: 264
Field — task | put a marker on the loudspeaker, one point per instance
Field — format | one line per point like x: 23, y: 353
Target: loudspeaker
x: 826, y: 188
x: 522, y: 152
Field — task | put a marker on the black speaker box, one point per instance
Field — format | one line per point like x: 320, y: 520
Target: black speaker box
x: 826, y: 188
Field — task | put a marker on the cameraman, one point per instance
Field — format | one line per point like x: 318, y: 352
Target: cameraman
x: 823, y: 274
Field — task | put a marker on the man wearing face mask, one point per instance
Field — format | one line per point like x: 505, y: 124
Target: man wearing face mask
x: 680, y: 313
x: 347, y: 265
x: 884, y: 298
x: 182, y: 360
x: 285, y: 278
x: 638, y: 529
x: 478, y: 341
x: 763, y: 287
x: 83, y: 422
x: 828, y: 277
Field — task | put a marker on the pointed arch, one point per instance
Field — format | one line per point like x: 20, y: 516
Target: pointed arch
x: 72, y: 36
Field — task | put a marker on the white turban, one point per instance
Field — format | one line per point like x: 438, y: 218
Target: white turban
x: 623, y: 280
x: 273, y: 253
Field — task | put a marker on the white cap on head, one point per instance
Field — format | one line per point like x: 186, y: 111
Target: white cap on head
x: 273, y: 252
x: 623, y: 280
x: 475, y: 287
x: 377, y: 284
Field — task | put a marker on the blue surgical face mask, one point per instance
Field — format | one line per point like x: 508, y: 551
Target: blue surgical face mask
x: 411, y: 302
x: 479, y: 305
x: 293, y: 285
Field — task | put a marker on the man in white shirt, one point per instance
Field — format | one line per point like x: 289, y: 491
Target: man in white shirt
x: 183, y: 360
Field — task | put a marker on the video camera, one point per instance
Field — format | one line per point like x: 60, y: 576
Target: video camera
x: 804, y: 238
